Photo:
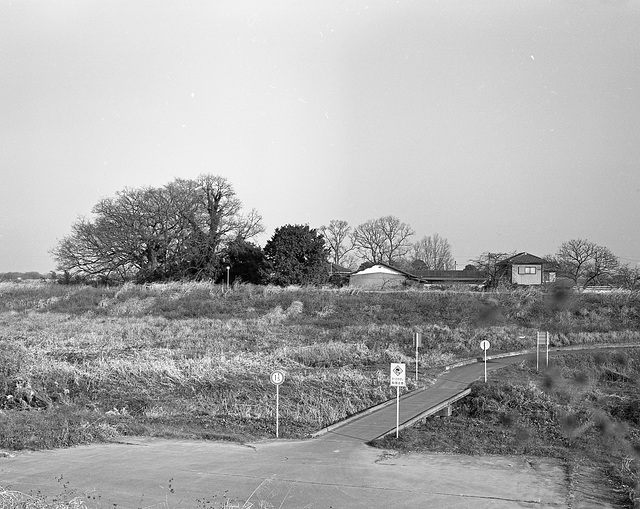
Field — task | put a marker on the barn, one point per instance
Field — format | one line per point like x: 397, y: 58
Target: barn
x: 379, y: 277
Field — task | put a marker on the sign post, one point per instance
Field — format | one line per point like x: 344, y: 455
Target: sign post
x: 398, y: 379
x: 547, y: 348
x: 542, y: 338
x: 277, y: 377
x: 417, y: 342
x: 485, y: 345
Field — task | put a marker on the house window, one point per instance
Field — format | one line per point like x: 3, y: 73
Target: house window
x: 526, y: 270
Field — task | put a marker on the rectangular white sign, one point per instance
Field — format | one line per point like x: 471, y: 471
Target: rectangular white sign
x: 398, y: 375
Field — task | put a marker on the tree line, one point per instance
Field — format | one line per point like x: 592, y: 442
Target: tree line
x: 196, y: 229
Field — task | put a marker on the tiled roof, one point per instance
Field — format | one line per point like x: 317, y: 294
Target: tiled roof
x: 334, y: 268
x: 522, y: 258
x: 450, y: 276
x: 447, y: 273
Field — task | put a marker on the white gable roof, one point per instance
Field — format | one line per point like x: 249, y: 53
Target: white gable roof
x: 378, y: 269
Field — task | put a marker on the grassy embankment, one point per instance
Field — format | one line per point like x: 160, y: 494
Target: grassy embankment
x: 82, y: 364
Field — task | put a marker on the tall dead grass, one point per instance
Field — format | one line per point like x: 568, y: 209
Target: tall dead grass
x: 126, y: 358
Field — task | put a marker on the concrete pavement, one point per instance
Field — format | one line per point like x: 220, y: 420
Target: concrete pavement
x: 316, y: 474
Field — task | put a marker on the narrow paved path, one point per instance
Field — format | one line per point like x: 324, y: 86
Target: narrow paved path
x: 383, y: 420
x: 373, y: 425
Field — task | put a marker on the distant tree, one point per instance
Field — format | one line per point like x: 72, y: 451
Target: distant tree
x: 14, y: 276
x: 246, y: 261
x: 179, y: 231
x: 585, y: 262
x: 489, y: 265
x: 337, y: 237
x: 382, y: 240
x: 369, y: 241
x: 627, y: 277
x: 434, y: 251
x: 296, y: 255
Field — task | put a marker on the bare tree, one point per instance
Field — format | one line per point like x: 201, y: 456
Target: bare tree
x: 177, y: 231
x: 584, y: 260
x: 434, y: 252
x: 382, y: 240
x: 338, y: 239
x: 489, y: 265
x: 628, y: 277
x: 397, y: 236
x: 369, y: 240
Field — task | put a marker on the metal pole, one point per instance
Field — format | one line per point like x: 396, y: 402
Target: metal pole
x: 485, y: 366
x: 277, y: 409
x: 547, y: 349
x: 416, y: 360
x: 397, y: 409
x: 537, y: 350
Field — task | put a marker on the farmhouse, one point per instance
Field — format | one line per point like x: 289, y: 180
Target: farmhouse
x: 383, y: 277
x: 525, y: 269
x: 468, y: 276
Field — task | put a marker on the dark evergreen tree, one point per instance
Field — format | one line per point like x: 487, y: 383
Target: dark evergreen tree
x: 296, y: 255
x: 246, y: 262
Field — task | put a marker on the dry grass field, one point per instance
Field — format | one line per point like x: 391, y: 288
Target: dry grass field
x: 81, y: 364
x: 190, y: 360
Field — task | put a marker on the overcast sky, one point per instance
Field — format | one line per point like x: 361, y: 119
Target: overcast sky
x: 500, y: 125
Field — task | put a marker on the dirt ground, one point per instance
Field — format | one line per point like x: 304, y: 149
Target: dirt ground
x: 145, y: 473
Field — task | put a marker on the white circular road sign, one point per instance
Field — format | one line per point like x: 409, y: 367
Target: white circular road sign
x: 484, y: 344
x: 277, y: 377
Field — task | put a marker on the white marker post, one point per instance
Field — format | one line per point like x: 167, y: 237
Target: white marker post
x: 277, y: 377
x: 547, y: 334
x: 485, y: 345
x: 398, y: 379
x: 542, y: 338
x: 417, y: 342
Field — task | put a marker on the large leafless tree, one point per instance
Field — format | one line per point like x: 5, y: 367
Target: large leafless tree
x: 177, y: 231
x: 585, y: 262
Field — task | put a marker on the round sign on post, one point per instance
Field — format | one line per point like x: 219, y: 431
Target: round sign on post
x: 277, y: 377
x: 484, y: 344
